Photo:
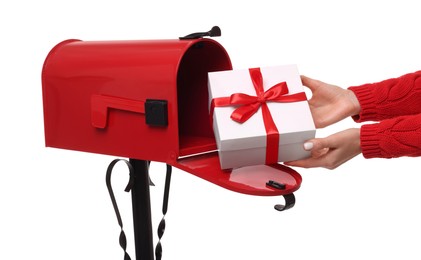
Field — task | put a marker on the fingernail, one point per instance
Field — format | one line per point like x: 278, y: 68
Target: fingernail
x: 308, y: 146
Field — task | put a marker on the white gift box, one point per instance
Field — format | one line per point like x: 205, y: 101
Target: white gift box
x: 244, y: 144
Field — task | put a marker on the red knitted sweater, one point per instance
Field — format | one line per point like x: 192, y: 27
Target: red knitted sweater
x: 396, y: 105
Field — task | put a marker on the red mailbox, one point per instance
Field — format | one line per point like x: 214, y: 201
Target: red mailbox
x: 147, y: 100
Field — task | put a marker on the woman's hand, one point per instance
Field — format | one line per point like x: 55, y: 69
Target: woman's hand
x: 332, y: 151
x: 329, y: 103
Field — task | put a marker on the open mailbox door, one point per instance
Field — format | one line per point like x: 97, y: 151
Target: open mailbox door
x: 259, y: 180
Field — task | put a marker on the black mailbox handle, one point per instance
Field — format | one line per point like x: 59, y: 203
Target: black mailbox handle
x: 214, y: 32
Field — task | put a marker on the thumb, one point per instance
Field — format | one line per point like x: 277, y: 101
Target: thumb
x: 310, y: 83
x: 317, y: 146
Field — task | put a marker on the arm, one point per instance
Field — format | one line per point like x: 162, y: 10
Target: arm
x: 390, y: 138
x: 395, y: 136
x: 389, y: 98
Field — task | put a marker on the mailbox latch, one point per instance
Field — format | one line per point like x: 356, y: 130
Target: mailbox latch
x: 156, y: 112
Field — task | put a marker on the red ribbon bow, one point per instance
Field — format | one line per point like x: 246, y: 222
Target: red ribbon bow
x: 249, y: 105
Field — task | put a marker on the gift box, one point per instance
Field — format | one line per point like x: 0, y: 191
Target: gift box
x: 259, y: 115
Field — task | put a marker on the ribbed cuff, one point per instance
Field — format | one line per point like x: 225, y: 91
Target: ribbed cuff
x: 369, y: 141
x: 367, y: 102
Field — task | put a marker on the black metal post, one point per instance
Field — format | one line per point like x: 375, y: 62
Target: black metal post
x: 142, y: 219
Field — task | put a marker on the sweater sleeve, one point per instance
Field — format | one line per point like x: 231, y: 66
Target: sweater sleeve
x: 389, y: 98
x: 392, y: 138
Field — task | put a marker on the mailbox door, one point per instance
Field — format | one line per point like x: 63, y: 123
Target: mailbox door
x: 250, y: 180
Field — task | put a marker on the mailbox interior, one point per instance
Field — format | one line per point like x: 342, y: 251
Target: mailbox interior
x: 197, y: 145
x: 195, y: 130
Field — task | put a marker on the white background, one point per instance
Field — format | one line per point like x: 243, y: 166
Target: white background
x: 54, y: 203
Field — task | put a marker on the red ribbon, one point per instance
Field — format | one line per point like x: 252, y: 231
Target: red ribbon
x: 249, y: 105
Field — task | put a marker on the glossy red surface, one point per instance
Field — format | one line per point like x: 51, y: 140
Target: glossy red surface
x: 94, y: 93
x: 100, y: 106
x: 248, y: 180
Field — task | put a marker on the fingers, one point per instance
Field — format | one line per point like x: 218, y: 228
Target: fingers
x: 312, y: 84
x: 319, y: 146
x: 332, y: 151
x: 328, y: 160
x: 306, y: 163
x: 319, y: 149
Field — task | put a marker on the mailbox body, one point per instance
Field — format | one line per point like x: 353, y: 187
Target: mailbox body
x: 146, y: 100
x: 95, y: 92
